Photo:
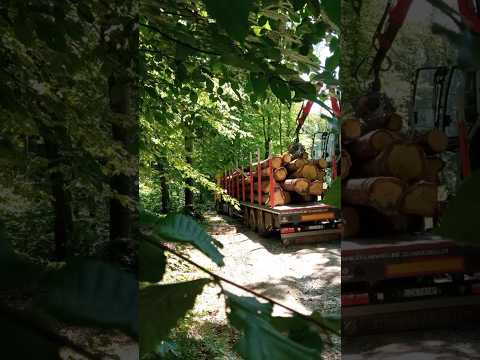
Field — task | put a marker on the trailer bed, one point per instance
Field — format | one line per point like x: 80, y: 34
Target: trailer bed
x: 408, y: 282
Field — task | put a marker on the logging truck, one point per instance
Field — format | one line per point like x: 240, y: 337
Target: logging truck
x: 397, y: 276
x: 279, y: 196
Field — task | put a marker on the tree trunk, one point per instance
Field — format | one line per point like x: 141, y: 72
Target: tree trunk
x: 125, y: 133
x: 63, y: 221
x: 286, y: 158
x: 321, y: 163
x: 188, y: 139
x: 371, y: 144
x: 405, y: 161
x: 381, y: 193
x: 164, y: 188
x: 299, y: 185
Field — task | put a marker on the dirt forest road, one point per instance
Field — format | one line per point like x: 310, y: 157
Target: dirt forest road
x: 305, y: 278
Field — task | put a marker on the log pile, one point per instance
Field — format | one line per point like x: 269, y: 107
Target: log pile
x: 389, y: 175
x: 295, y: 180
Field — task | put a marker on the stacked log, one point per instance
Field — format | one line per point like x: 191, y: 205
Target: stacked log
x: 296, y: 180
x: 389, y: 176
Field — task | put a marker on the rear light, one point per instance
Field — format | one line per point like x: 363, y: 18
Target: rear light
x: 355, y: 299
x: 476, y: 288
x: 287, y: 230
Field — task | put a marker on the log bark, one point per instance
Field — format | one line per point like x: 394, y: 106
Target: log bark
x: 286, y: 158
x: 433, y: 141
x: 316, y: 188
x: 309, y: 172
x: 277, y: 162
x: 296, y: 164
x: 299, y: 185
x: 345, y: 164
x: 394, y: 122
x: 351, y: 128
x: 351, y: 227
x: 281, y: 197
x: 405, y: 161
x: 371, y: 144
x: 321, y: 163
x: 420, y: 199
x: 381, y: 193
x: 280, y: 174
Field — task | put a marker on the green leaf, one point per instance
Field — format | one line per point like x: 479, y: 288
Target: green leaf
x: 161, y: 306
x: 260, y: 340
x: 20, y: 341
x: 459, y: 222
x: 259, y: 83
x: 91, y: 292
x: 304, y: 90
x: 182, y: 228
x: 231, y: 15
x: 333, y: 322
x: 281, y: 89
x: 152, y: 262
x: 332, y: 10
x: 314, y: 7
x: 300, y: 331
x: 333, y: 61
x: 333, y: 195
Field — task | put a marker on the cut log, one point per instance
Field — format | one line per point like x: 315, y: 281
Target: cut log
x: 309, y: 172
x: 351, y: 128
x: 394, y: 122
x: 321, y: 163
x: 370, y: 144
x: 420, y: 199
x: 281, y: 197
x: 265, y: 186
x: 345, y: 164
x: 381, y: 193
x: 280, y: 174
x: 433, y: 141
x: 432, y: 169
x: 405, y: 161
x: 351, y: 227
x: 277, y: 162
x: 299, y: 185
x: 316, y: 188
x: 286, y: 158
x: 296, y: 164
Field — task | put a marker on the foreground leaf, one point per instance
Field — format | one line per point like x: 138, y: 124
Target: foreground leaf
x: 182, y: 228
x: 15, y: 335
x: 161, y: 306
x: 459, y: 222
x: 231, y: 15
x: 152, y: 262
x: 260, y: 339
x: 93, y: 293
x: 333, y: 195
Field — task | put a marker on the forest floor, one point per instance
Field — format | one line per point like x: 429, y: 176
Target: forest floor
x: 305, y: 278
x: 415, y: 345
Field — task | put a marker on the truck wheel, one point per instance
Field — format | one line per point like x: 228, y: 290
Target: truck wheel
x: 252, y: 222
x: 268, y: 220
x: 246, y: 216
x: 261, y: 229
